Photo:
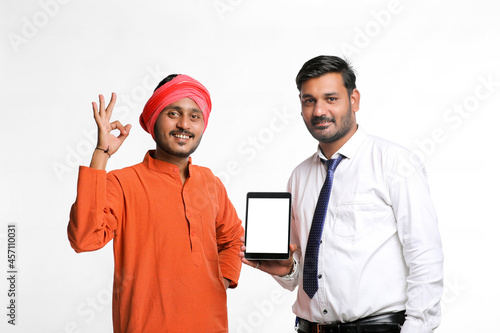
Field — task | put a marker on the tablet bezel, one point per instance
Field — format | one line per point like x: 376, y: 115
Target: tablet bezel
x: 269, y: 195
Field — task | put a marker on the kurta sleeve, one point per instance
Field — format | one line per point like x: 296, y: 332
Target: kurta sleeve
x: 97, y: 211
x: 229, y: 232
x: 420, y: 238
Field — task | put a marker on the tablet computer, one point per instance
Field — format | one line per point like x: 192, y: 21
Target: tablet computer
x: 267, y: 226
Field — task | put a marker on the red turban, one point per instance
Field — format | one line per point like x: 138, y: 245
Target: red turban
x: 180, y: 87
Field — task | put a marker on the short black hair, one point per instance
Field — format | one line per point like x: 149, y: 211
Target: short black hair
x: 165, y: 80
x: 322, y: 65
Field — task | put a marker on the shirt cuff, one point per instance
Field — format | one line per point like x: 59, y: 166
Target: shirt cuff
x: 413, y: 325
x: 292, y: 274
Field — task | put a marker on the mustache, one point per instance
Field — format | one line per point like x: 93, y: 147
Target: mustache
x: 174, y: 132
x: 316, y: 120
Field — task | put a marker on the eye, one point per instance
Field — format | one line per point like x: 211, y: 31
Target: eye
x: 173, y: 114
x: 332, y: 99
x: 308, y: 101
x: 195, y: 116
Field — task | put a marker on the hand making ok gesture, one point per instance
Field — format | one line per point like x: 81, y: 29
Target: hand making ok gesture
x: 107, y: 143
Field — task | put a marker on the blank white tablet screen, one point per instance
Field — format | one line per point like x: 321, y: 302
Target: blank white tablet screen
x: 267, y: 225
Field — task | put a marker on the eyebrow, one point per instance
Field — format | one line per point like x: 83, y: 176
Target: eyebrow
x: 178, y: 108
x: 324, y: 95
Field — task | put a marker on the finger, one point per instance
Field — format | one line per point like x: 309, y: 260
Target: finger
x: 127, y: 128
x: 111, y: 105
x: 102, y: 103
x: 96, y: 110
x: 117, y: 125
x: 126, y: 132
x: 251, y: 263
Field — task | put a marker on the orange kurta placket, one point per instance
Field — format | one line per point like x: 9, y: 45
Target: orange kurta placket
x: 194, y: 225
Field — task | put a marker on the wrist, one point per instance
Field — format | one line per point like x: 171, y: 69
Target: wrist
x: 292, y: 268
x: 99, y: 160
x: 103, y: 150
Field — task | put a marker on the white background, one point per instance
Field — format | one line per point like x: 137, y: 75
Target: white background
x: 423, y: 71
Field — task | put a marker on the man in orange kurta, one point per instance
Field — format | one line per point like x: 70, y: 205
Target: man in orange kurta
x: 176, y: 234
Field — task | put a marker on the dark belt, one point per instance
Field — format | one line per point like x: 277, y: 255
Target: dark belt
x: 387, y: 322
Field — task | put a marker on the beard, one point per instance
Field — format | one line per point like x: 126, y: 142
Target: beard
x: 343, y: 126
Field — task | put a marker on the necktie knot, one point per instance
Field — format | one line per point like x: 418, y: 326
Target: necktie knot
x: 332, y: 164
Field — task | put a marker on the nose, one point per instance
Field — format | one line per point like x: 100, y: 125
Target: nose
x: 183, y: 122
x: 319, y: 108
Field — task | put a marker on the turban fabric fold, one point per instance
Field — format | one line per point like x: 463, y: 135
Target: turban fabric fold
x: 182, y: 86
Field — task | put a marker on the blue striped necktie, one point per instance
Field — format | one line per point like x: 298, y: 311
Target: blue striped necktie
x: 312, y: 250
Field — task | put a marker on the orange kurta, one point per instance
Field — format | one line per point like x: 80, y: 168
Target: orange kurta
x: 173, y: 244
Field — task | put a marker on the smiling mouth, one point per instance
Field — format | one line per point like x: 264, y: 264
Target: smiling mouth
x: 182, y: 135
x: 323, y: 124
x: 322, y: 121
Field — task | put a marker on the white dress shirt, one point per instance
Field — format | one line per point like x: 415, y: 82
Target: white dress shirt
x: 381, y: 248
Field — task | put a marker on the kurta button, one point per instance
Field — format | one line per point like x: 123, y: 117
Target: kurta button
x: 325, y: 312
x: 320, y: 276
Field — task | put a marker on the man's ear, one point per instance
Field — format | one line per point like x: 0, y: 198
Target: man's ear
x: 355, y: 97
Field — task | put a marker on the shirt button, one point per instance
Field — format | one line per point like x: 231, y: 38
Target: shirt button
x: 320, y: 276
x: 325, y: 312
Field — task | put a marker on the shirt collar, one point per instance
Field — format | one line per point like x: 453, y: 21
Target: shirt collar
x: 161, y: 166
x: 350, y: 148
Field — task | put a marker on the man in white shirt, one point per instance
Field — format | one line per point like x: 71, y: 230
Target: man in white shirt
x: 375, y: 258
